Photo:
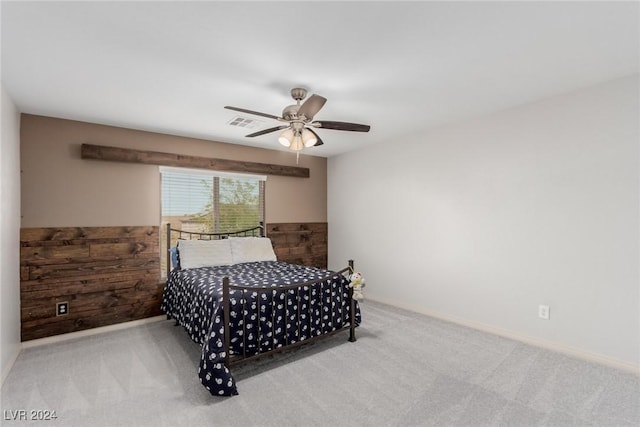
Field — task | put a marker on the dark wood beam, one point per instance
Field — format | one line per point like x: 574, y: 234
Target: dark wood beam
x: 117, y: 154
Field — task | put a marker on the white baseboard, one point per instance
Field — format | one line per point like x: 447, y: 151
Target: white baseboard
x: 549, y: 345
x: 89, y: 332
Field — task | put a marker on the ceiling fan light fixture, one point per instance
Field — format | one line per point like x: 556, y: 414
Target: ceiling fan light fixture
x: 297, y: 144
x: 298, y: 134
x: 286, y: 137
x: 308, y: 138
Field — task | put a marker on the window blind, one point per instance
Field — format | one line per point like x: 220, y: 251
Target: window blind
x: 211, y: 202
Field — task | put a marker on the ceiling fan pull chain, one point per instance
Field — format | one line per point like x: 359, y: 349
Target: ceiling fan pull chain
x: 297, y: 157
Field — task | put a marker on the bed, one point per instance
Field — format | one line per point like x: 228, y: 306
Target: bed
x: 236, y: 300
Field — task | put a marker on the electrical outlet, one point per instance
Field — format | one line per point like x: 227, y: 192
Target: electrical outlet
x: 543, y: 312
x: 62, y: 308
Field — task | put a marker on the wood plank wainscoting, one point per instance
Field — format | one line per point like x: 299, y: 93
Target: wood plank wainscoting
x: 110, y: 275
x: 107, y: 275
x: 300, y: 243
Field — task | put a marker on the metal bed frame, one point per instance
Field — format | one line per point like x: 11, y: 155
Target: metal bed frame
x: 227, y: 287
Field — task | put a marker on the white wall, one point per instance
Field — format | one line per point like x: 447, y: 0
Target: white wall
x: 483, y: 221
x: 9, y: 234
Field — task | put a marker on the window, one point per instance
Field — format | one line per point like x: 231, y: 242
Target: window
x: 210, y: 202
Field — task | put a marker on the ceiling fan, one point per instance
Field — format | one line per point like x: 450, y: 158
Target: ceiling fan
x: 299, y: 128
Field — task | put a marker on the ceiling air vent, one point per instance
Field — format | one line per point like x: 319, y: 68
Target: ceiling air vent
x: 243, y: 122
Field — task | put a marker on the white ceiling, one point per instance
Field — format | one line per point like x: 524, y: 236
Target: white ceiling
x: 171, y: 67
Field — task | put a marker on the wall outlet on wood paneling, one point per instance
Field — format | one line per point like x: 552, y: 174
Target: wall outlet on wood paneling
x: 117, y: 266
x: 62, y: 308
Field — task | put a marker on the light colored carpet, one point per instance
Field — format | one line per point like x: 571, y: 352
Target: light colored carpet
x: 404, y: 370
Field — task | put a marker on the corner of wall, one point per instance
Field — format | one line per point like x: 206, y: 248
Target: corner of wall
x: 9, y: 234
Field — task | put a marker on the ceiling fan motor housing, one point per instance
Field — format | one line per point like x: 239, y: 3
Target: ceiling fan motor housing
x: 290, y: 112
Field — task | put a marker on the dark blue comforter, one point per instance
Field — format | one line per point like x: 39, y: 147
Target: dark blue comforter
x: 272, y: 318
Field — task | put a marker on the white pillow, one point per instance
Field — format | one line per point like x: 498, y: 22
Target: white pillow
x: 250, y: 249
x: 204, y: 253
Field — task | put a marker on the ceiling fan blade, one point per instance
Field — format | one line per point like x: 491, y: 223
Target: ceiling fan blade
x: 311, y: 106
x: 354, y: 127
x: 317, y: 137
x: 262, y: 132
x: 257, y: 113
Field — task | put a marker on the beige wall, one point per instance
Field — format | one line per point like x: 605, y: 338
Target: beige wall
x: 59, y: 189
